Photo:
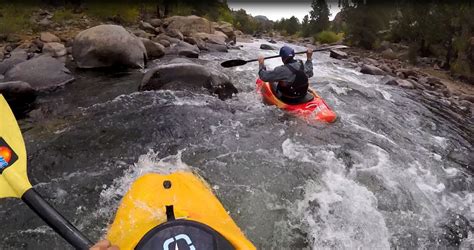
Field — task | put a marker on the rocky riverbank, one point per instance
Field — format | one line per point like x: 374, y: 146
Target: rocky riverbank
x: 36, y: 63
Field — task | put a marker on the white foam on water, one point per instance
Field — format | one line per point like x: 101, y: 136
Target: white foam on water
x: 336, y: 211
x: 342, y: 214
x: 149, y: 163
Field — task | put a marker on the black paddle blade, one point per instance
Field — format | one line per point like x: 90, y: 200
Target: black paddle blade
x: 233, y: 63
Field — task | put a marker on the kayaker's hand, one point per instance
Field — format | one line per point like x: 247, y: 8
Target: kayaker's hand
x: 261, y: 60
x: 104, y: 245
x: 309, y: 54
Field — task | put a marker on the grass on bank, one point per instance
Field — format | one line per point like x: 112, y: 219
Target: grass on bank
x: 328, y: 37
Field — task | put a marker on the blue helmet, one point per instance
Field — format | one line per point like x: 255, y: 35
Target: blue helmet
x: 286, y: 52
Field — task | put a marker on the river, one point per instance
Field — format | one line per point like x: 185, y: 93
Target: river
x: 394, y: 171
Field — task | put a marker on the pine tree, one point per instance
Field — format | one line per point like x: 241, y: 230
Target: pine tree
x: 319, y: 15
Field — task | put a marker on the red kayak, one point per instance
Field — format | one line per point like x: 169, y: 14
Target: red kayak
x: 315, y: 109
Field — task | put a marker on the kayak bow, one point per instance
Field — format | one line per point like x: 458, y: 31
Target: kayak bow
x: 159, y: 208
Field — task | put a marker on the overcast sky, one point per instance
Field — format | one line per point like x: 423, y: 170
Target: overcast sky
x: 275, y: 10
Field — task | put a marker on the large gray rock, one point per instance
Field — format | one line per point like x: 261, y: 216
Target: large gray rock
x: 156, y: 22
x: 43, y: 73
x: 147, y: 27
x: 184, y: 49
x: 188, y: 76
x: 16, y: 57
x: 226, y: 28
x: 371, y: 70
x: 48, y: 37
x: 402, y: 83
x: 216, y: 38
x: 54, y: 49
x: 189, y: 24
x: 175, y: 34
x: 153, y: 50
x: 267, y: 47
x: 19, y: 95
x: 107, y: 46
x: 161, y: 37
x: 337, y: 54
x: 216, y: 47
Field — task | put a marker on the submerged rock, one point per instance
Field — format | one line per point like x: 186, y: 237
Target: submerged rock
x: 188, y: 76
x: 43, y: 73
x: 19, y: 95
x: 107, y: 46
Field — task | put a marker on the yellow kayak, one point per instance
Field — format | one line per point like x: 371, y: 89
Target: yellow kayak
x: 175, y: 211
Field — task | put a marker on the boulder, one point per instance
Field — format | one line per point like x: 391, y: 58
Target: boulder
x: 174, y: 33
x: 54, y: 49
x: 163, y: 42
x: 48, y: 37
x: 19, y: 95
x: 188, y: 76
x: 408, y: 72
x: 370, y: 61
x: 267, y: 47
x: 337, y: 54
x: 43, y: 73
x: 389, y: 54
x: 15, y: 58
x: 226, y: 28
x: 272, y: 41
x: 142, y: 34
x: 153, y: 50
x: 371, y: 70
x: 156, y: 22
x: 212, y: 47
x: 189, y: 24
x: 107, y: 46
x: 160, y: 37
x: 184, y: 49
x: 196, y: 41
x: 216, y: 38
x: 147, y: 27
x: 402, y: 83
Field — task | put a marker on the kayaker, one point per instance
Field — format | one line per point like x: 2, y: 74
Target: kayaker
x: 290, y: 80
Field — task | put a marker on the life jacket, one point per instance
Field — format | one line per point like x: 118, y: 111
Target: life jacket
x: 296, y: 89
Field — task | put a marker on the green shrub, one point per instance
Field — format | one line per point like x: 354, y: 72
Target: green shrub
x: 15, y: 18
x: 328, y: 37
x: 62, y: 15
x: 128, y: 12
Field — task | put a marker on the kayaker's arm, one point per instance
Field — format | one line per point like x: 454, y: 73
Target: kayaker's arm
x: 308, y: 68
x: 275, y: 75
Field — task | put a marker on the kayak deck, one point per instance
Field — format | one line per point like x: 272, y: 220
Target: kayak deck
x: 314, y: 110
x: 144, y: 207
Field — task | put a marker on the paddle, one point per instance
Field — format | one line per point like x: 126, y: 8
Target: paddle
x: 14, y: 180
x: 240, y: 62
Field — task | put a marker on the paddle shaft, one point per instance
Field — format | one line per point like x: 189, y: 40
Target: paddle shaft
x: 55, y: 220
x: 301, y: 52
